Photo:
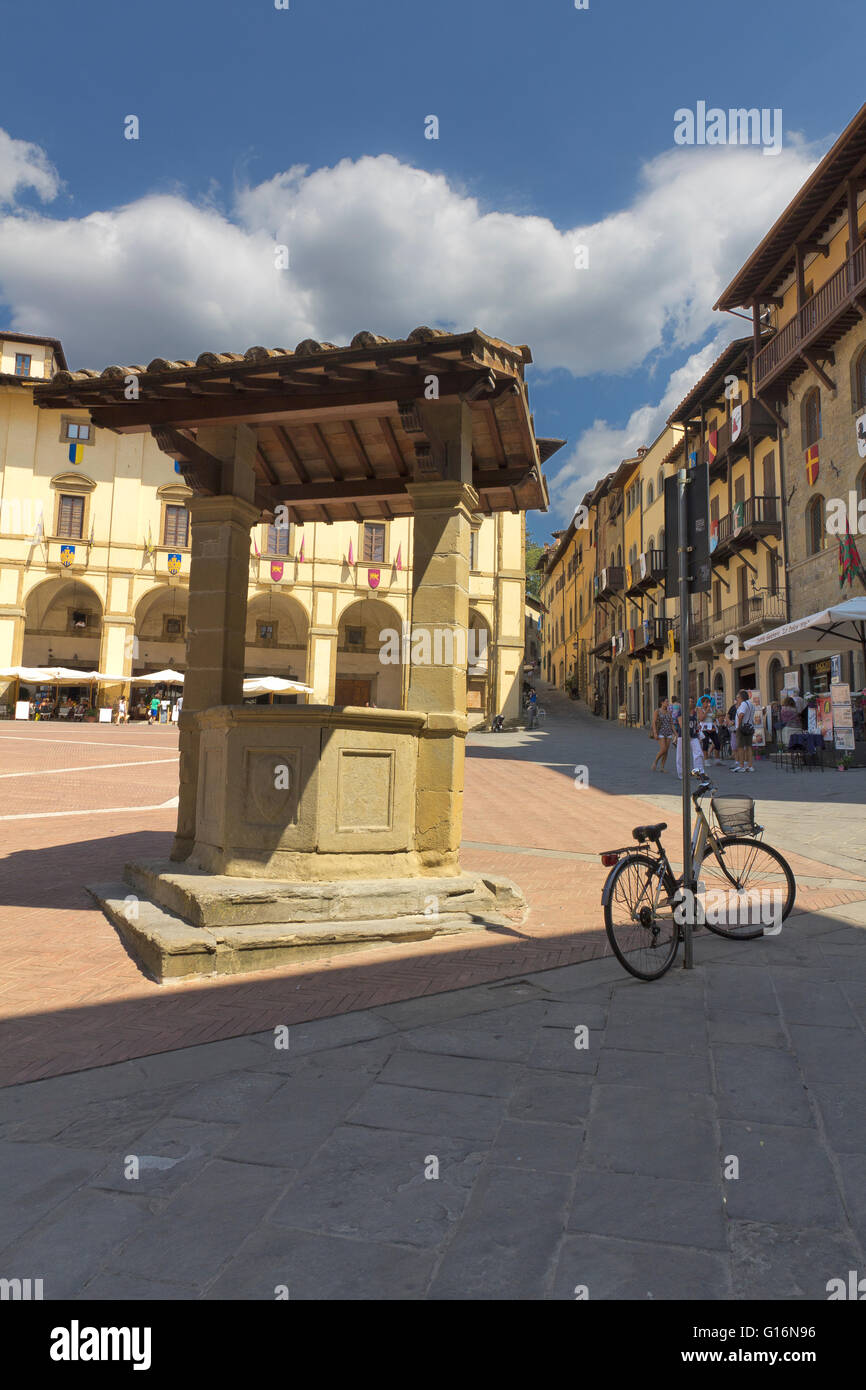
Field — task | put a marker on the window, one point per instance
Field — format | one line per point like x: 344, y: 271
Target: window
x: 22, y: 363
x: 277, y: 541
x: 811, y: 417
x: 859, y: 382
x: 660, y: 483
x: 650, y: 495
x: 815, y: 535
x: 76, y: 430
x: 78, y: 620
x: 70, y: 517
x: 374, y: 541
x: 176, y: 526
x: 772, y: 572
x: 473, y: 550
x: 265, y: 631
x: 354, y: 637
x: 172, y: 626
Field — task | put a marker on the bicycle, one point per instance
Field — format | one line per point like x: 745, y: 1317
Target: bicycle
x: 645, y: 903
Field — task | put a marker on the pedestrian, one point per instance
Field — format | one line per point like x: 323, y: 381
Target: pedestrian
x: 153, y: 710
x: 663, y: 731
x: 533, y: 708
x: 692, y: 723
x: 121, y: 710
x: 710, y: 742
x: 745, y: 730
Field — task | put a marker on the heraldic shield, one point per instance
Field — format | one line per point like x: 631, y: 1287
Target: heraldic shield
x: 276, y: 570
x: 67, y: 555
x: 373, y: 577
x: 174, y: 562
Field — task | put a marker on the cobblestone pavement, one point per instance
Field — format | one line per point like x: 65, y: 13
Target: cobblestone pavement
x: 707, y: 1141
x: 70, y: 996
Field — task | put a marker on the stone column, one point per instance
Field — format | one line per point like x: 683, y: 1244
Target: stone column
x: 216, y: 622
x: 443, y: 509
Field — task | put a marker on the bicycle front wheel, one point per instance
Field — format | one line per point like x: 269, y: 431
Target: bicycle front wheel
x: 748, y: 887
x: 644, y: 937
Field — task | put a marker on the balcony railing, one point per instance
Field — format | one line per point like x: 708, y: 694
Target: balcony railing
x: 647, y: 571
x: 828, y: 308
x: 753, y: 517
x: 754, y: 613
x: 610, y: 581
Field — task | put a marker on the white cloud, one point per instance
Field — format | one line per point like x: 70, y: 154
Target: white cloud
x: 603, y: 446
x: 375, y: 243
x: 23, y: 166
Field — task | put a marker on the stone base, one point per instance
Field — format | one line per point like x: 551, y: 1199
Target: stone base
x: 179, y: 923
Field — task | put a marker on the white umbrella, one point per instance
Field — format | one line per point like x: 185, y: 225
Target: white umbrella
x: 841, y: 626
x: 166, y: 677
x: 273, y: 685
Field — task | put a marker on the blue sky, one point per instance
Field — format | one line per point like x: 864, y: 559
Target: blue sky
x: 555, y: 128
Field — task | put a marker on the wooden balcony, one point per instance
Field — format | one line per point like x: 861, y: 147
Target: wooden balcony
x: 610, y: 582
x: 745, y: 525
x: 756, y: 423
x: 647, y: 572
x: 815, y: 327
x: 757, y: 613
x: 651, y: 636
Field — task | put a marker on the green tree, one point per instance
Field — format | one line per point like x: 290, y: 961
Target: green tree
x: 532, y: 552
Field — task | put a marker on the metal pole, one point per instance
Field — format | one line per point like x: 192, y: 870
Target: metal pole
x: 686, y: 759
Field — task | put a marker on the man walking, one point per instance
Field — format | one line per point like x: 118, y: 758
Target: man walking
x: 745, y: 728
x: 533, y: 709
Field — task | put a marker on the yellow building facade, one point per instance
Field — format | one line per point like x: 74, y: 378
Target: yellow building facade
x: 94, y: 566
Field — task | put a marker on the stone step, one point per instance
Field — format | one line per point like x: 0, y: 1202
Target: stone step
x: 215, y: 900
x: 169, y: 948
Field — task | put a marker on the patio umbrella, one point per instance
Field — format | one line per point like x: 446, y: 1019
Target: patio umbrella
x: 273, y: 685
x: 166, y: 677
x: 842, y: 626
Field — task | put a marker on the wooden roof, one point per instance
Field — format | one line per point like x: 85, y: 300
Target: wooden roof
x: 810, y: 214
x: 338, y: 429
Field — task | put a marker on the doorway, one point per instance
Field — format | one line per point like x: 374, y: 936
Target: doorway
x: 349, y: 690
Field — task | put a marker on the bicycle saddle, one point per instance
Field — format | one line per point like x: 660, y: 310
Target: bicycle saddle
x: 648, y: 832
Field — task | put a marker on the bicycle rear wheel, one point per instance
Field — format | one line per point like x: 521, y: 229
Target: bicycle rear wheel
x: 749, y: 886
x: 644, y: 939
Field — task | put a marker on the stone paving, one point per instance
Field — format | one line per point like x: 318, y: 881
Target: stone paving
x: 461, y: 1146
x: 70, y: 996
x: 708, y: 1142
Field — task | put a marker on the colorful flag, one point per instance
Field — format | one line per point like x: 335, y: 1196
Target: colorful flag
x: 76, y: 453
x: 399, y: 561
x: 849, y: 561
x: 373, y: 577
x: 736, y: 423
x: 301, y: 551
x: 148, y: 544
x: 712, y: 445
x: 351, y: 554
x: 174, y: 563
x: 812, y: 464
x: 276, y: 570
x: 693, y: 458
x: 67, y: 555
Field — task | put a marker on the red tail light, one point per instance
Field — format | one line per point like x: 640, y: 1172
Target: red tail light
x: 609, y: 859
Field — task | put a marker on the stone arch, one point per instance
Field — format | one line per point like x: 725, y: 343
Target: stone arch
x: 62, y: 624
x: 370, y: 666
x: 160, y: 629
x: 479, y: 668
x: 277, y: 636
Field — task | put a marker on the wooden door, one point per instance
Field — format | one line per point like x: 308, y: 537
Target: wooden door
x: 351, y: 691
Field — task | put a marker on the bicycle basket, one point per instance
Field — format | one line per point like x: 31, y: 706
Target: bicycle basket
x: 735, y: 814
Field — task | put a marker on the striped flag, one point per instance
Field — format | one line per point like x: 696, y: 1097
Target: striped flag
x: 712, y: 445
